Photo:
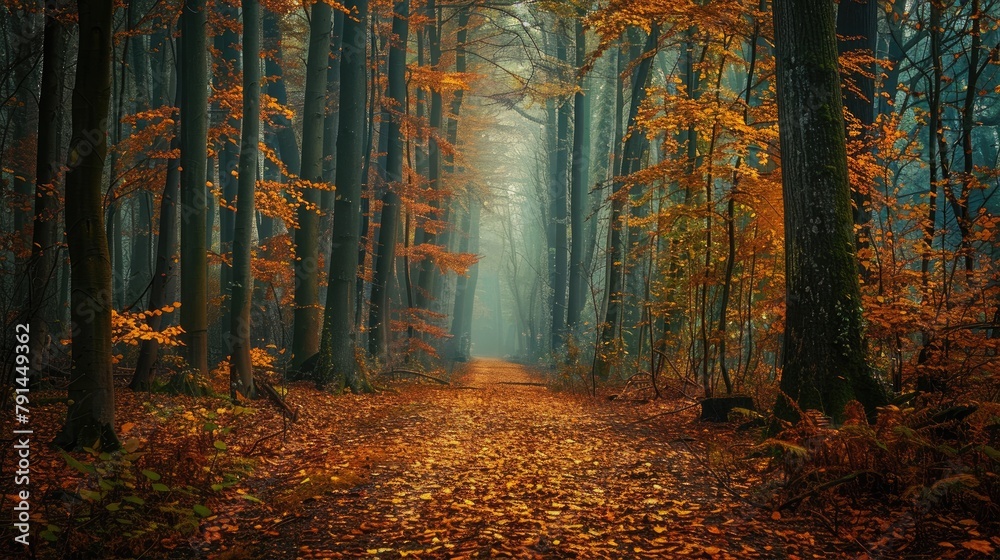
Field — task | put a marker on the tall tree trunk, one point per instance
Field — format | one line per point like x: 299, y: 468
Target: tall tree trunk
x: 465, y: 289
x: 934, y: 123
x: 288, y: 147
x: 240, y: 368
x: 824, y: 362
x: 631, y: 153
x: 385, y: 248
x: 140, y: 273
x: 166, y: 242
x: 166, y: 250
x: 337, y: 360
x: 194, y: 143
x: 91, y: 414
x: 330, y: 140
x: 558, y: 198
x: 44, y: 246
x: 225, y: 78
x: 960, y: 203
x: 578, y: 185
x: 305, y: 334
x: 140, y: 255
x: 427, y: 280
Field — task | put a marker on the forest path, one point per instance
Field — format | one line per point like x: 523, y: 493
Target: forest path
x: 503, y: 470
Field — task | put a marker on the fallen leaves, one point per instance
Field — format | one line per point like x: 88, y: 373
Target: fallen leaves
x: 508, y: 470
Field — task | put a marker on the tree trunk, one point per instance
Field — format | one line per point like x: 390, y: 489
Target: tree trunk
x: 140, y: 272
x: 288, y: 147
x: 385, y: 249
x: 225, y: 79
x: 91, y: 414
x: 166, y: 242
x: 327, y: 197
x: 240, y: 367
x: 824, y: 362
x: 194, y: 143
x: 465, y: 289
x: 337, y: 360
x: 44, y: 246
x: 305, y: 334
x: 427, y: 284
x: 578, y: 186
x: 166, y: 250
x: 558, y: 197
x: 960, y: 203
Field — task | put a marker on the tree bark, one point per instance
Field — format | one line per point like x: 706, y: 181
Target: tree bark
x: 194, y: 168
x: 465, y: 289
x: 44, y: 245
x: 305, y: 334
x: 824, y: 363
x: 427, y: 284
x: 578, y: 186
x: 385, y: 248
x: 558, y: 197
x: 288, y: 147
x: 337, y: 360
x: 240, y: 366
x: 225, y: 78
x: 166, y: 251
x: 91, y: 415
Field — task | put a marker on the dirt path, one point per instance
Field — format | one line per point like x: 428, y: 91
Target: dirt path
x: 501, y: 470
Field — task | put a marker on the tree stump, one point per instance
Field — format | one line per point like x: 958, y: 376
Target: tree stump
x: 717, y: 409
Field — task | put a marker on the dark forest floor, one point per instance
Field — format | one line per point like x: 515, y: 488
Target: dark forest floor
x: 483, y: 468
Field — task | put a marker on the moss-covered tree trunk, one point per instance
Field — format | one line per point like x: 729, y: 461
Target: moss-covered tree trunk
x: 91, y: 415
x: 824, y: 363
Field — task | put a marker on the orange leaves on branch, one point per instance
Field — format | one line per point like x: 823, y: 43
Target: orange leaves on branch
x: 133, y: 328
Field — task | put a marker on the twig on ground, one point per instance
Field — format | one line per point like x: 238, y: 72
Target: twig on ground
x: 273, y: 396
x: 418, y: 374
